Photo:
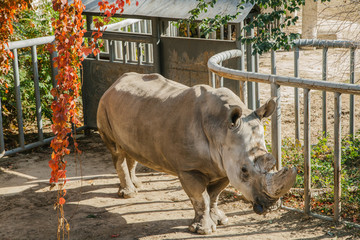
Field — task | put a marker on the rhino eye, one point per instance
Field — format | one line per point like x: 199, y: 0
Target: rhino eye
x: 244, y: 170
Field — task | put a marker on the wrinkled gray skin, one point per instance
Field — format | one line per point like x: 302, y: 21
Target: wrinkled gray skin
x: 207, y: 137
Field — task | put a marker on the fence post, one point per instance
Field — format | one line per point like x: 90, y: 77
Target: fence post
x: 324, y: 78
x: 37, y: 93
x: 241, y: 61
x: 337, y: 156
x: 307, y: 149
x: 352, y: 81
x: 156, y: 43
x: 250, y: 60
x: 276, y: 126
x: 18, y: 98
x: 296, y: 93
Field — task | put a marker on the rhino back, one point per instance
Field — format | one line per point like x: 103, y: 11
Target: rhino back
x: 158, y: 122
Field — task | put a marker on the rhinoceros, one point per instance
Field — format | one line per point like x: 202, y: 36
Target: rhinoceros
x: 205, y: 136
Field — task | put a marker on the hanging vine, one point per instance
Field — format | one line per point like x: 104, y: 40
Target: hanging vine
x: 9, y: 9
x: 69, y: 32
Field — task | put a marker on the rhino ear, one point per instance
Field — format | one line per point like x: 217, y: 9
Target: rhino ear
x: 267, y: 109
x: 234, y: 116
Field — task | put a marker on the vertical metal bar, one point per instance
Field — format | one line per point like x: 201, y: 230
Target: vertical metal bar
x: 296, y: 93
x: 54, y: 70
x: 99, y: 54
x: 2, y: 143
x: 124, y: 51
x: 217, y: 81
x: 118, y: 48
x: 324, y: 78
x: 222, y: 32
x: 337, y: 157
x: 139, y: 54
x: 250, y: 60
x: 156, y: 44
x: 142, y: 26
x: 37, y: 93
x: 198, y: 30
x: 241, y: 60
x: 106, y: 46
x: 131, y: 46
x: 89, y: 22
x: 166, y: 28
x: 111, y: 50
x: 276, y: 126
x: 210, y: 78
x: 18, y: 98
x: 257, y: 94
x: 221, y: 78
x: 139, y: 27
x: 213, y: 80
x: 307, y: 149
x: 229, y: 31
x: 188, y: 29
x: 352, y: 81
x: 273, y: 62
x: 147, y: 47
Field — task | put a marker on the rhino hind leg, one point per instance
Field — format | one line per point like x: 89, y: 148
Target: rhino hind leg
x: 131, y: 163
x: 214, y: 190
x: 195, y: 186
x: 127, y: 188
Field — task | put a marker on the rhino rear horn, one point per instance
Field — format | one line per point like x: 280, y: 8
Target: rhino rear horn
x: 267, y: 109
x: 279, y: 183
x: 265, y: 163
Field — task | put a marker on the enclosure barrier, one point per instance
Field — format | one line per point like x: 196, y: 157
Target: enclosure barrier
x: 130, y: 41
x: 217, y: 72
x: 14, y: 46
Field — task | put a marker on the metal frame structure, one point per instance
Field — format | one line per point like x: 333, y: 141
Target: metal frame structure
x: 216, y: 70
x: 14, y: 46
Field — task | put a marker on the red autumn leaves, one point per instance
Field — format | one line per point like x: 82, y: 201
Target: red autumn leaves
x: 69, y: 32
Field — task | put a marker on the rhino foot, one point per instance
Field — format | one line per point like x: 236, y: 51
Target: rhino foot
x: 127, y: 193
x: 137, y: 183
x: 205, y: 226
x: 218, y: 216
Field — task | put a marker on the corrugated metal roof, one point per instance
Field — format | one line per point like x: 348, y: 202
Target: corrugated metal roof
x: 173, y: 9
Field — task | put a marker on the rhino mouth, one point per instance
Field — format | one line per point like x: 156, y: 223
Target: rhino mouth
x: 276, y: 184
x: 262, y: 207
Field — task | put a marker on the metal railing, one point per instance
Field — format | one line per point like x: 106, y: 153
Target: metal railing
x: 217, y: 72
x: 14, y: 46
x: 129, y: 41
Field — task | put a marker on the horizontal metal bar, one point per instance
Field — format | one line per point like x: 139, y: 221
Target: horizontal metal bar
x: 37, y: 144
x: 123, y: 23
x: 213, y: 65
x: 326, y: 43
x: 124, y: 36
x: 30, y: 42
x: 326, y: 218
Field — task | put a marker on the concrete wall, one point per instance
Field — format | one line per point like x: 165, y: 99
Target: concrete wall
x: 181, y: 59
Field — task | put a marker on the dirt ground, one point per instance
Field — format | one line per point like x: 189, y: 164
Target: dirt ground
x: 161, y: 210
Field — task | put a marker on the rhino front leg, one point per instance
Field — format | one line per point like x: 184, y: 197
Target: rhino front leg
x: 127, y: 188
x: 195, y: 186
x: 214, y: 190
x: 131, y: 163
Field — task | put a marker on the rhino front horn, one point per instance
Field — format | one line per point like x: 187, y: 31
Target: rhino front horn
x: 279, y: 183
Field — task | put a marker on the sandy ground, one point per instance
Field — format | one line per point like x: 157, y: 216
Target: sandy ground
x: 161, y: 210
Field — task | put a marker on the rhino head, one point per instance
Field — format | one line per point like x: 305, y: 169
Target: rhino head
x: 247, y: 162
